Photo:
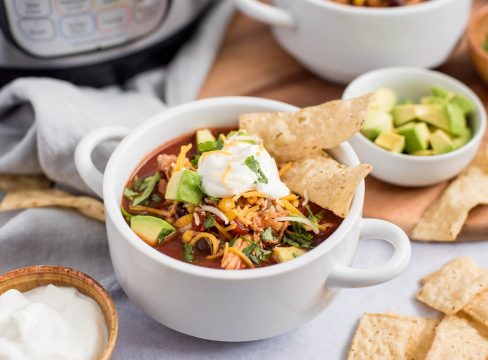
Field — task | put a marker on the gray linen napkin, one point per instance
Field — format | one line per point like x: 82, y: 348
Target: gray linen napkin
x: 41, y: 122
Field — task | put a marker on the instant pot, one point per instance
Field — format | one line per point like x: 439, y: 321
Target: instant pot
x: 92, y: 42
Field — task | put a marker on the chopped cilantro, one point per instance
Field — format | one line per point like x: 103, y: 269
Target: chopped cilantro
x: 163, y: 234
x: 267, y: 235
x: 220, y: 143
x: 256, y: 253
x: 232, y: 242
x: 298, y: 237
x: 155, y: 198
x: 129, y: 193
x: 188, y: 252
x: 253, y: 164
x: 209, y: 221
x: 194, y: 160
x: 137, y: 183
x: 147, y: 187
x: 207, y: 146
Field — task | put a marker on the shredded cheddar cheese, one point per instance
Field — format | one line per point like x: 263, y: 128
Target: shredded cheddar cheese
x: 241, y: 255
x: 226, y: 172
x: 223, y: 231
x: 285, y: 168
x: 290, y: 197
x: 181, y: 160
x: 207, y: 153
x: 288, y: 206
x: 254, y: 194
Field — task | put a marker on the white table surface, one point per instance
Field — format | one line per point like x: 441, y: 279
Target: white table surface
x: 326, y: 337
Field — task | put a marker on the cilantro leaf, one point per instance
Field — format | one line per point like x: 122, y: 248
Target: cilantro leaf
x: 253, y: 164
x: 209, y: 221
x: 207, y: 146
x: 298, y: 237
x: 155, y: 198
x: 256, y: 253
x: 195, y: 159
x: 188, y: 252
x: 147, y: 186
x: 137, y: 183
x: 165, y: 232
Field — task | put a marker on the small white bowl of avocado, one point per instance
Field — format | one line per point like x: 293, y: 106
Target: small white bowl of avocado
x: 422, y: 128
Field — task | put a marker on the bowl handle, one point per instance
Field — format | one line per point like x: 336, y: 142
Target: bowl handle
x: 265, y: 13
x: 83, y: 155
x: 347, y: 276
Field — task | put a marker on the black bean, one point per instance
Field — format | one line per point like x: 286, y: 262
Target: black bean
x: 202, y: 245
x: 180, y: 210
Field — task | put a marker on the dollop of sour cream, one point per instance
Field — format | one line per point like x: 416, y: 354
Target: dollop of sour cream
x: 50, y: 323
x: 225, y: 173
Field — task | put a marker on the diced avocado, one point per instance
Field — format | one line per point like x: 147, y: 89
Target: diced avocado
x: 151, y: 229
x: 427, y: 152
x: 426, y: 100
x: 457, y: 120
x: 466, y: 105
x: 383, y: 99
x: 434, y: 114
x: 391, y: 141
x: 439, y: 92
x: 283, y: 254
x: 416, y: 136
x: 376, y: 122
x: 406, y: 102
x: 403, y: 114
x: 463, y: 139
x: 441, y: 142
x: 204, y: 135
x: 185, y: 186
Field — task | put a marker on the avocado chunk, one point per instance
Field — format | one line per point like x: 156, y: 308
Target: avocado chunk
x: 185, y: 186
x: 457, y: 120
x: 463, y: 139
x: 403, y: 114
x: 463, y: 103
x: 439, y: 92
x: 390, y: 141
x: 376, y: 122
x: 383, y: 99
x: 416, y: 136
x: 204, y: 135
x: 151, y: 229
x: 283, y: 254
x: 441, y: 142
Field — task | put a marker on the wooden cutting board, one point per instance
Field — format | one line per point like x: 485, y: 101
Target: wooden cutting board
x: 251, y: 63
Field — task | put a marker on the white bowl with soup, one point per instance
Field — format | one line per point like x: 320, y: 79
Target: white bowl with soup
x: 340, y: 42
x: 206, y: 302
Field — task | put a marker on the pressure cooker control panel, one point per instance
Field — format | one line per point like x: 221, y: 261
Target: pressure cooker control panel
x: 50, y: 28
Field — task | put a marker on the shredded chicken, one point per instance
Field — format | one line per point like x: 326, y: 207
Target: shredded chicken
x: 231, y: 261
x: 165, y: 164
x: 264, y: 220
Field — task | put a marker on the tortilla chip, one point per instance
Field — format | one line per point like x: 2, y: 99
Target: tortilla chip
x: 478, y: 308
x: 445, y: 217
x: 458, y: 338
x: 454, y: 285
x: 291, y: 136
x: 392, y: 336
x: 10, y: 182
x: 327, y: 182
x: 26, y: 199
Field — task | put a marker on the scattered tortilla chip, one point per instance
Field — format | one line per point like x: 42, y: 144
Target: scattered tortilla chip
x: 291, y: 136
x: 10, y: 182
x: 458, y: 338
x: 392, y: 336
x: 454, y: 285
x: 445, y: 217
x: 328, y: 183
x: 25, y: 199
x: 478, y: 308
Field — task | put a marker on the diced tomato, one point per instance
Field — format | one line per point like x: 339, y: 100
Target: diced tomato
x: 200, y: 226
x: 240, y: 229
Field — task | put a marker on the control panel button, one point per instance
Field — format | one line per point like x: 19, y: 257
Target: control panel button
x: 77, y: 25
x: 145, y: 10
x: 38, y: 29
x: 33, y: 8
x: 113, y: 19
x: 72, y: 6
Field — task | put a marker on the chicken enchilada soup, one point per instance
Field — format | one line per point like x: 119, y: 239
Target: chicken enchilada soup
x: 222, y: 198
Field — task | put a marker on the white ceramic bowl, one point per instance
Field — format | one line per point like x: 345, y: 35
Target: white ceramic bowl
x: 408, y: 170
x: 217, y: 304
x: 340, y: 42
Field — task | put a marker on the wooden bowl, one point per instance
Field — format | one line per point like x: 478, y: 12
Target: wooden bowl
x: 477, y: 36
x: 28, y: 278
